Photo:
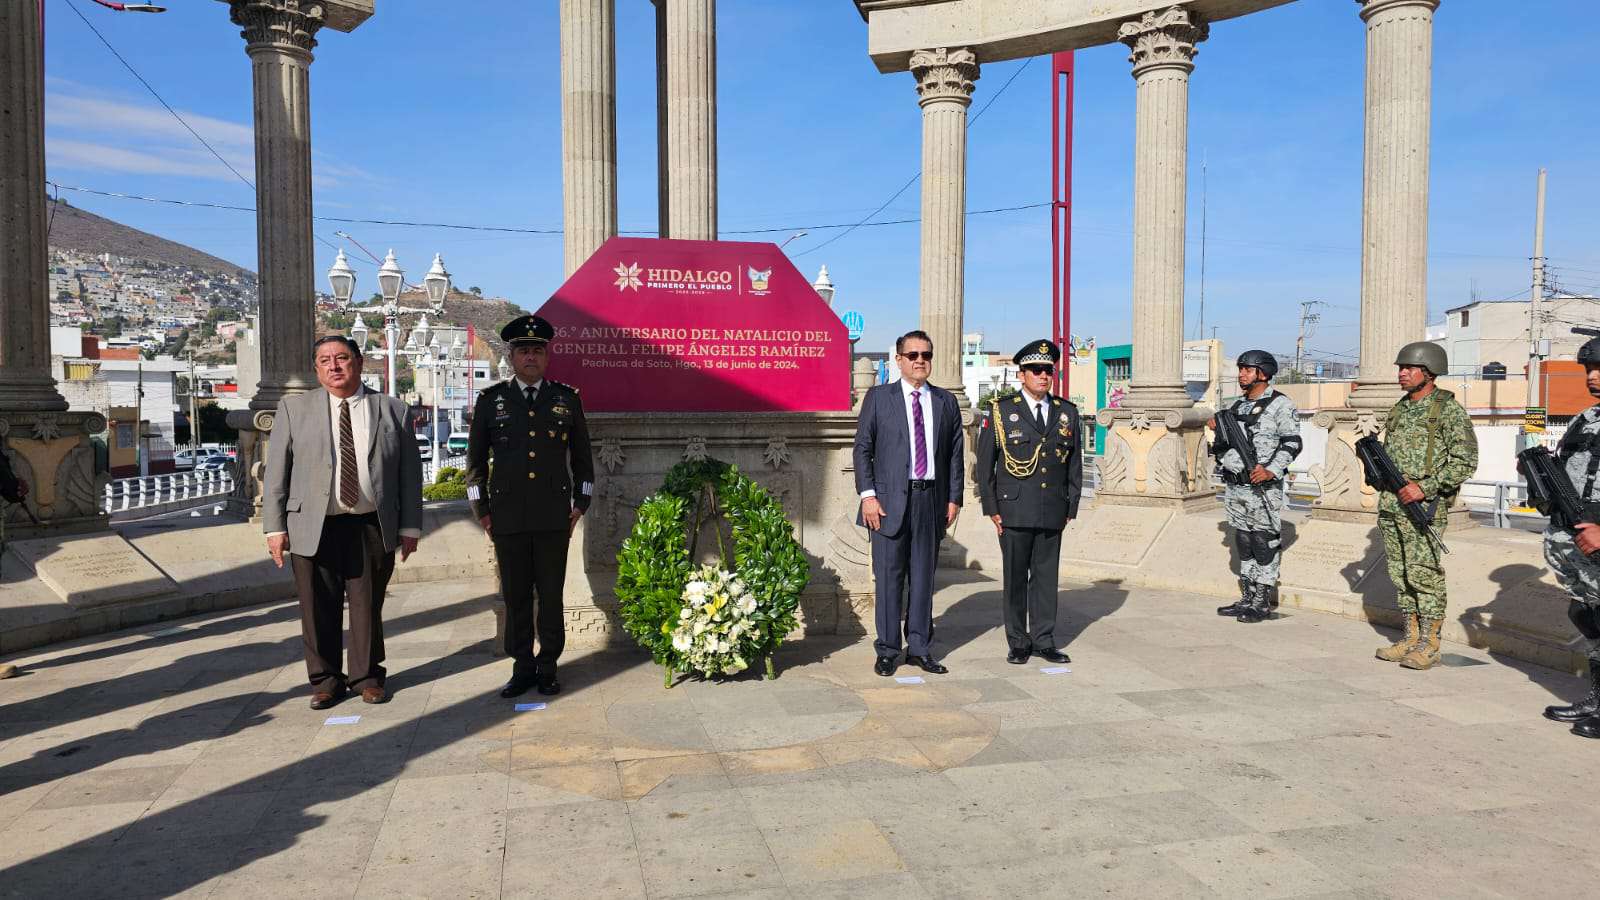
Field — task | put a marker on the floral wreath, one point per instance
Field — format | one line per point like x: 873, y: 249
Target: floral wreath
x: 718, y: 618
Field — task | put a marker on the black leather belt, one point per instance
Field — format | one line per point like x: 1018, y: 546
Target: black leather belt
x: 921, y: 484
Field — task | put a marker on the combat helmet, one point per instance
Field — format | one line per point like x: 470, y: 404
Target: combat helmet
x: 1260, y: 359
x: 1589, y: 353
x: 1426, y: 354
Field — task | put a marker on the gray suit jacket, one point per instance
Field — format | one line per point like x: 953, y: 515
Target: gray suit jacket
x: 300, y: 467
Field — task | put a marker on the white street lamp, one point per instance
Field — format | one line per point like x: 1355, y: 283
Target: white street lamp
x: 437, y: 281
x: 824, y: 286
x: 342, y: 279
x: 360, y: 333
x: 390, y: 279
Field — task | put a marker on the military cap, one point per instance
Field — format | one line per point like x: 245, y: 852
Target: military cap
x: 528, y: 330
x: 1038, y: 353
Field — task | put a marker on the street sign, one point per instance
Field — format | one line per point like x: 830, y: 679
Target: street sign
x: 855, y: 323
x: 1533, y: 420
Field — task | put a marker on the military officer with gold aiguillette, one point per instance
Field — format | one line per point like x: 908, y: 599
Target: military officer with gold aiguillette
x: 530, y: 477
x: 1030, y: 475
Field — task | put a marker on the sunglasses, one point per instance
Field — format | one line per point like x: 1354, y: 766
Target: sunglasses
x: 1039, y: 370
x: 915, y: 355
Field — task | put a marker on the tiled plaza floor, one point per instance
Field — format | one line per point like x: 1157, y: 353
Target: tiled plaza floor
x: 1182, y: 755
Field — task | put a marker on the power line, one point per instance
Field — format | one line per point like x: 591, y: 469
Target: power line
x: 135, y: 73
x: 509, y: 229
x: 913, y: 180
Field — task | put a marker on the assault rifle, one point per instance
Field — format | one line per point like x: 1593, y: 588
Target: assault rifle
x: 1551, y: 491
x: 1231, y: 433
x: 1384, y: 475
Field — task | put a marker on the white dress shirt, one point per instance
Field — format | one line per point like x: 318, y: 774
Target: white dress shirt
x: 925, y: 400
x: 1039, y: 407
x: 361, y: 432
x: 523, y: 386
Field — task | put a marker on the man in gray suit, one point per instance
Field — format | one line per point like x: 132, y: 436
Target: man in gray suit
x: 908, y: 462
x: 343, y: 490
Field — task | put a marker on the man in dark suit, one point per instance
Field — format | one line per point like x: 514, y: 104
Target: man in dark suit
x: 1030, y: 475
x: 342, y: 490
x: 908, y: 461
x: 531, y: 499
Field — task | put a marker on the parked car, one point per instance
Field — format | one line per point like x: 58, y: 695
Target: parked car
x: 457, y: 444
x: 424, y: 447
x: 218, y: 463
x: 186, y: 458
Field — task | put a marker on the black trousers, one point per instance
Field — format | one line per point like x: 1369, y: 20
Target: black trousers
x: 350, y: 566
x: 1030, y: 559
x: 902, y: 568
x: 533, y: 570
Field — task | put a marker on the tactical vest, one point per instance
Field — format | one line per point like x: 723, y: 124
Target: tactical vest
x: 1576, y: 441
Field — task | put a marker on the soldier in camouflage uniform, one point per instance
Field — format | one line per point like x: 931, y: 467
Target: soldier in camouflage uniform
x: 1567, y: 549
x: 1254, y: 499
x: 1429, y: 436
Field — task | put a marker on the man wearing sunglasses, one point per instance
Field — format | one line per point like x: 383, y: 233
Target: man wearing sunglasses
x: 1030, y: 476
x: 908, y: 460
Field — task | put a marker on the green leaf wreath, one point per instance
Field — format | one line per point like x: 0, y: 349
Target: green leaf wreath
x: 719, y: 618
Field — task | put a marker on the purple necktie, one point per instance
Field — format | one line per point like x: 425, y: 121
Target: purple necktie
x: 921, y: 440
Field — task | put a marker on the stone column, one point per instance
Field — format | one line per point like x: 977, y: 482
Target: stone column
x: 588, y: 127
x: 279, y: 37
x: 1164, y: 47
x: 1394, y: 232
x: 945, y: 78
x: 692, y: 119
x: 25, y: 379
x: 1155, y: 453
x: 47, y: 446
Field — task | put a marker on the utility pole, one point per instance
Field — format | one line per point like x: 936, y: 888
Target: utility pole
x: 1308, y: 325
x: 1204, y: 160
x: 138, y: 423
x: 1535, y: 323
x: 194, y: 416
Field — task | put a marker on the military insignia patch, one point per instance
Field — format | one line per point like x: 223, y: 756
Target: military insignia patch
x: 1014, y: 417
x: 560, y: 410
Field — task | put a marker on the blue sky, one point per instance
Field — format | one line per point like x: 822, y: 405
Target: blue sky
x: 429, y: 115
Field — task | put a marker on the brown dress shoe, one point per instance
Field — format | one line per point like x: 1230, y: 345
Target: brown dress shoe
x: 374, y: 694
x: 327, y: 699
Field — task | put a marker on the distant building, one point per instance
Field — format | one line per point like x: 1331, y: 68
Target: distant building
x: 1484, y: 332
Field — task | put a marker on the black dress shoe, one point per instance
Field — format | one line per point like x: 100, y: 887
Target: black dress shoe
x: 1053, y: 655
x: 1017, y: 657
x: 927, y: 664
x: 517, y: 686
x: 884, y: 666
x: 548, y: 685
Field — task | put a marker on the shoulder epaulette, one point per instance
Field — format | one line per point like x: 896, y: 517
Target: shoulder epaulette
x: 561, y: 384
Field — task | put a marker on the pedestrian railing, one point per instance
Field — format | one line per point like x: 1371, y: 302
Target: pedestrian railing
x: 147, y: 491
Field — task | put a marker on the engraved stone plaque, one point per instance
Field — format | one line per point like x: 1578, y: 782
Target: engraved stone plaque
x: 93, y: 570
x: 1119, y: 535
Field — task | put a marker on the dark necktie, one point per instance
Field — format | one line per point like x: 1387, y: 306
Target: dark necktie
x: 920, y: 441
x: 532, y: 394
x: 349, y: 477
x: 1038, y: 414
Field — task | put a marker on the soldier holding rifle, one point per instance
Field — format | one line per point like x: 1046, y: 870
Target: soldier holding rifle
x: 1572, y: 540
x: 1256, y: 440
x: 1430, y: 439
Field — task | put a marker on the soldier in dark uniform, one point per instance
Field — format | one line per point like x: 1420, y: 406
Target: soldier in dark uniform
x: 1030, y: 475
x: 533, y: 432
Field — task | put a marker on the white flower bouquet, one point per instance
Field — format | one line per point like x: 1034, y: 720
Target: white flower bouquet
x: 716, y: 632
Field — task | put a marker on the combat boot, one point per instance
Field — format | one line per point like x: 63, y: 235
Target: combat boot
x: 1397, y: 650
x: 1232, y: 609
x: 1255, y: 608
x: 1272, y: 597
x: 1583, y: 709
x: 1425, y: 655
x: 1589, y: 728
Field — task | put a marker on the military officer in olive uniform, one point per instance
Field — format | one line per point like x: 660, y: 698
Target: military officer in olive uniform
x: 1030, y: 475
x: 532, y: 431
x: 1429, y: 435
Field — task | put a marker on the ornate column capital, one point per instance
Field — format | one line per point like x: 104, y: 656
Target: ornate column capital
x: 284, y: 25
x: 1370, y: 8
x: 945, y: 74
x: 1165, y: 39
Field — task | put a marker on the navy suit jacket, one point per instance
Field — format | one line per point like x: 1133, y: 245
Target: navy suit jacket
x: 883, y: 451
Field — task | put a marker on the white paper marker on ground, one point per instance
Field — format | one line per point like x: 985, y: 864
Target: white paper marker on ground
x: 910, y: 679
x: 342, y: 720
x: 530, y: 707
x: 1056, y: 670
